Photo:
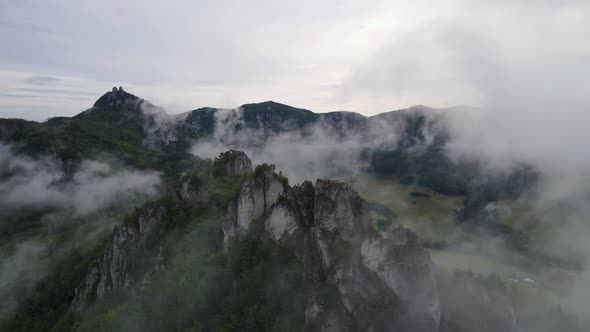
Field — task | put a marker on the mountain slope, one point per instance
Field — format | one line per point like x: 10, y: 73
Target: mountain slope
x: 296, y: 262
x: 221, y: 245
x: 408, y: 145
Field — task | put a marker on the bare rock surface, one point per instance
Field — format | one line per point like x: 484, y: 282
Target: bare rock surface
x: 384, y: 284
x: 231, y: 163
x: 257, y: 195
x: 112, y: 270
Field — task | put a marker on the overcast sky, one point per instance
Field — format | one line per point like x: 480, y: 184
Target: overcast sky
x: 57, y: 57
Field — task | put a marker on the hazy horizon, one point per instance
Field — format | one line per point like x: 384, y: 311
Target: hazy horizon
x: 324, y: 57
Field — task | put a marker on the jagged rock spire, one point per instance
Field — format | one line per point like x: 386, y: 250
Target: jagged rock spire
x: 119, y: 100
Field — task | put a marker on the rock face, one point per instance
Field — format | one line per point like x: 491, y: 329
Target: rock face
x: 256, y: 196
x: 341, y: 216
x: 112, y: 270
x: 315, y: 220
x: 406, y: 268
x: 291, y: 223
x: 384, y: 284
x: 231, y: 163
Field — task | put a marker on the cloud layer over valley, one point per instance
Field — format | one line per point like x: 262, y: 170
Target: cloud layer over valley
x: 47, y: 214
x: 42, y: 184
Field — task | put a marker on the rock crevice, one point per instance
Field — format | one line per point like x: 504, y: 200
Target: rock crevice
x: 256, y: 196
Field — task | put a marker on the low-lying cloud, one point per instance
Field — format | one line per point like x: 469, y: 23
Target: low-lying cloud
x: 85, y: 202
x: 530, y: 81
x: 27, y: 183
x: 316, y: 151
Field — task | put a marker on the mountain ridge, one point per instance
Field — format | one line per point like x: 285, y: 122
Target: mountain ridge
x: 380, y: 283
x: 121, y: 94
x: 246, y: 228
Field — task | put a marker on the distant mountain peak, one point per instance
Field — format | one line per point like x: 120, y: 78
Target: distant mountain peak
x: 118, y: 100
x: 267, y: 104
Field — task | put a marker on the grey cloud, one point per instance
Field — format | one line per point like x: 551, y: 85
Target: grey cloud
x: 42, y: 111
x: 161, y: 125
x: 28, y: 259
x: 14, y: 95
x: 41, y: 184
x: 213, y: 83
x: 533, y: 92
x: 40, y: 96
x: 218, y: 53
x: 89, y: 198
x: 302, y: 154
x: 57, y: 91
x: 41, y: 80
x: 527, y: 67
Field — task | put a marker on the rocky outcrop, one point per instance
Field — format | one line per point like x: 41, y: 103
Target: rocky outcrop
x: 316, y: 220
x: 120, y: 101
x: 116, y: 268
x: 256, y: 196
x: 341, y: 216
x: 291, y: 223
x: 375, y: 283
x: 324, y: 225
x: 112, y: 270
x: 401, y: 262
x: 231, y: 163
x: 384, y: 284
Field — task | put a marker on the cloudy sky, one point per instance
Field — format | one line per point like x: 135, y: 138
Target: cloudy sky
x: 366, y: 56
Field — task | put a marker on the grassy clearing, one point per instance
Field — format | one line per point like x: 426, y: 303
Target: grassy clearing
x: 451, y: 261
x: 429, y: 213
x: 398, y: 197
